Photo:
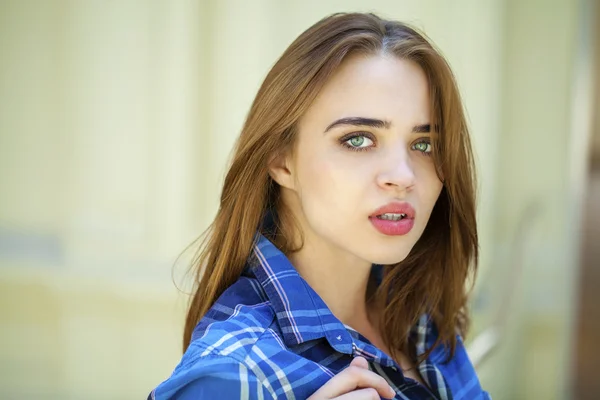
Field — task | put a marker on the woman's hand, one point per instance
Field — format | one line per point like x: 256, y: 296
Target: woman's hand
x: 355, y: 383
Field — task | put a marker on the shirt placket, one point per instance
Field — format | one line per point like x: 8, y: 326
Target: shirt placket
x: 409, y: 388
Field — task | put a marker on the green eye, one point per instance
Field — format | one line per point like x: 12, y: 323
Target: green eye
x: 423, y: 147
x: 357, y: 141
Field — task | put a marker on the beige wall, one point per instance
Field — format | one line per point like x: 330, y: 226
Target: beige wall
x: 596, y: 110
x: 116, y: 124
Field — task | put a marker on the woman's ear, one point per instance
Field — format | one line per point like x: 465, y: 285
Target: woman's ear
x: 280, y: 172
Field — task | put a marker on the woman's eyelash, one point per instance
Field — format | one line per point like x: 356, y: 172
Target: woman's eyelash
x: 425, y: 141
x: 345, y: 139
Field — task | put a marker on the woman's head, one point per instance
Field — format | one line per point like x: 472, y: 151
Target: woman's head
x: 364, y: 143
x: 358, y: 113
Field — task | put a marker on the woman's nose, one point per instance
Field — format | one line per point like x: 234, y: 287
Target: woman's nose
x: 397, y: 172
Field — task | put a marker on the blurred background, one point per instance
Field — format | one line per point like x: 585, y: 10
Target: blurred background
x: 117, y: 119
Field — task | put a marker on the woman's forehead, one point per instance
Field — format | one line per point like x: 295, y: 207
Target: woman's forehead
x: 380, y: 86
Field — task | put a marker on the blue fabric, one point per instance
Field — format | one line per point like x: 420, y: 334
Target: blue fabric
x: 270, y: 336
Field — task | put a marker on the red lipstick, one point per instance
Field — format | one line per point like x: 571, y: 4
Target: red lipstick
x: 394, y: 219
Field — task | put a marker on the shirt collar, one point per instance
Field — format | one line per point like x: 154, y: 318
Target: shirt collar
x: 303, y: 316
x: 301, y: 313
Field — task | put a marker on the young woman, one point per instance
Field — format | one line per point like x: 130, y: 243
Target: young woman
x: 337, y: 264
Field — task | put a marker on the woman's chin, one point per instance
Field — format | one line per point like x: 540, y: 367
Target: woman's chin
x: 389, y: 258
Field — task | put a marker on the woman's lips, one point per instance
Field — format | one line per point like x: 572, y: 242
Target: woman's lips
x: 392, y: 228
x: 389, y: 226
x: 397, y: 207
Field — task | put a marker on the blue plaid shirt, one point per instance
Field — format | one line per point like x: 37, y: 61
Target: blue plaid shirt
x: 270, y: 336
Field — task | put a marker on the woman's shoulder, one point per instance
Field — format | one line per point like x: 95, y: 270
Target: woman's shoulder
x: 221, y: 352
x: 456, y: 367
x: 242, y: 314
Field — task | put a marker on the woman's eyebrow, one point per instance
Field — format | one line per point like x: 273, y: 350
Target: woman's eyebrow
x: 359, y: 121
x: 425, y: 128
x: 374, y: 123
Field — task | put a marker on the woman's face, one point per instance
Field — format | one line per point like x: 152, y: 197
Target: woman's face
x: 365, y: 144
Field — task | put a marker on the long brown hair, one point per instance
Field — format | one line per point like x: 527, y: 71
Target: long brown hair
x: 433, y: 277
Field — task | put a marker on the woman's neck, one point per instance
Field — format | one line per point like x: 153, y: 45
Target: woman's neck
x: 340, y: 280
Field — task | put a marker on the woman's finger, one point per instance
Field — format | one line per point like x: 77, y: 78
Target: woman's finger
x: 360, y: 362
x: 360, y: 394
x: 356, y: 376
